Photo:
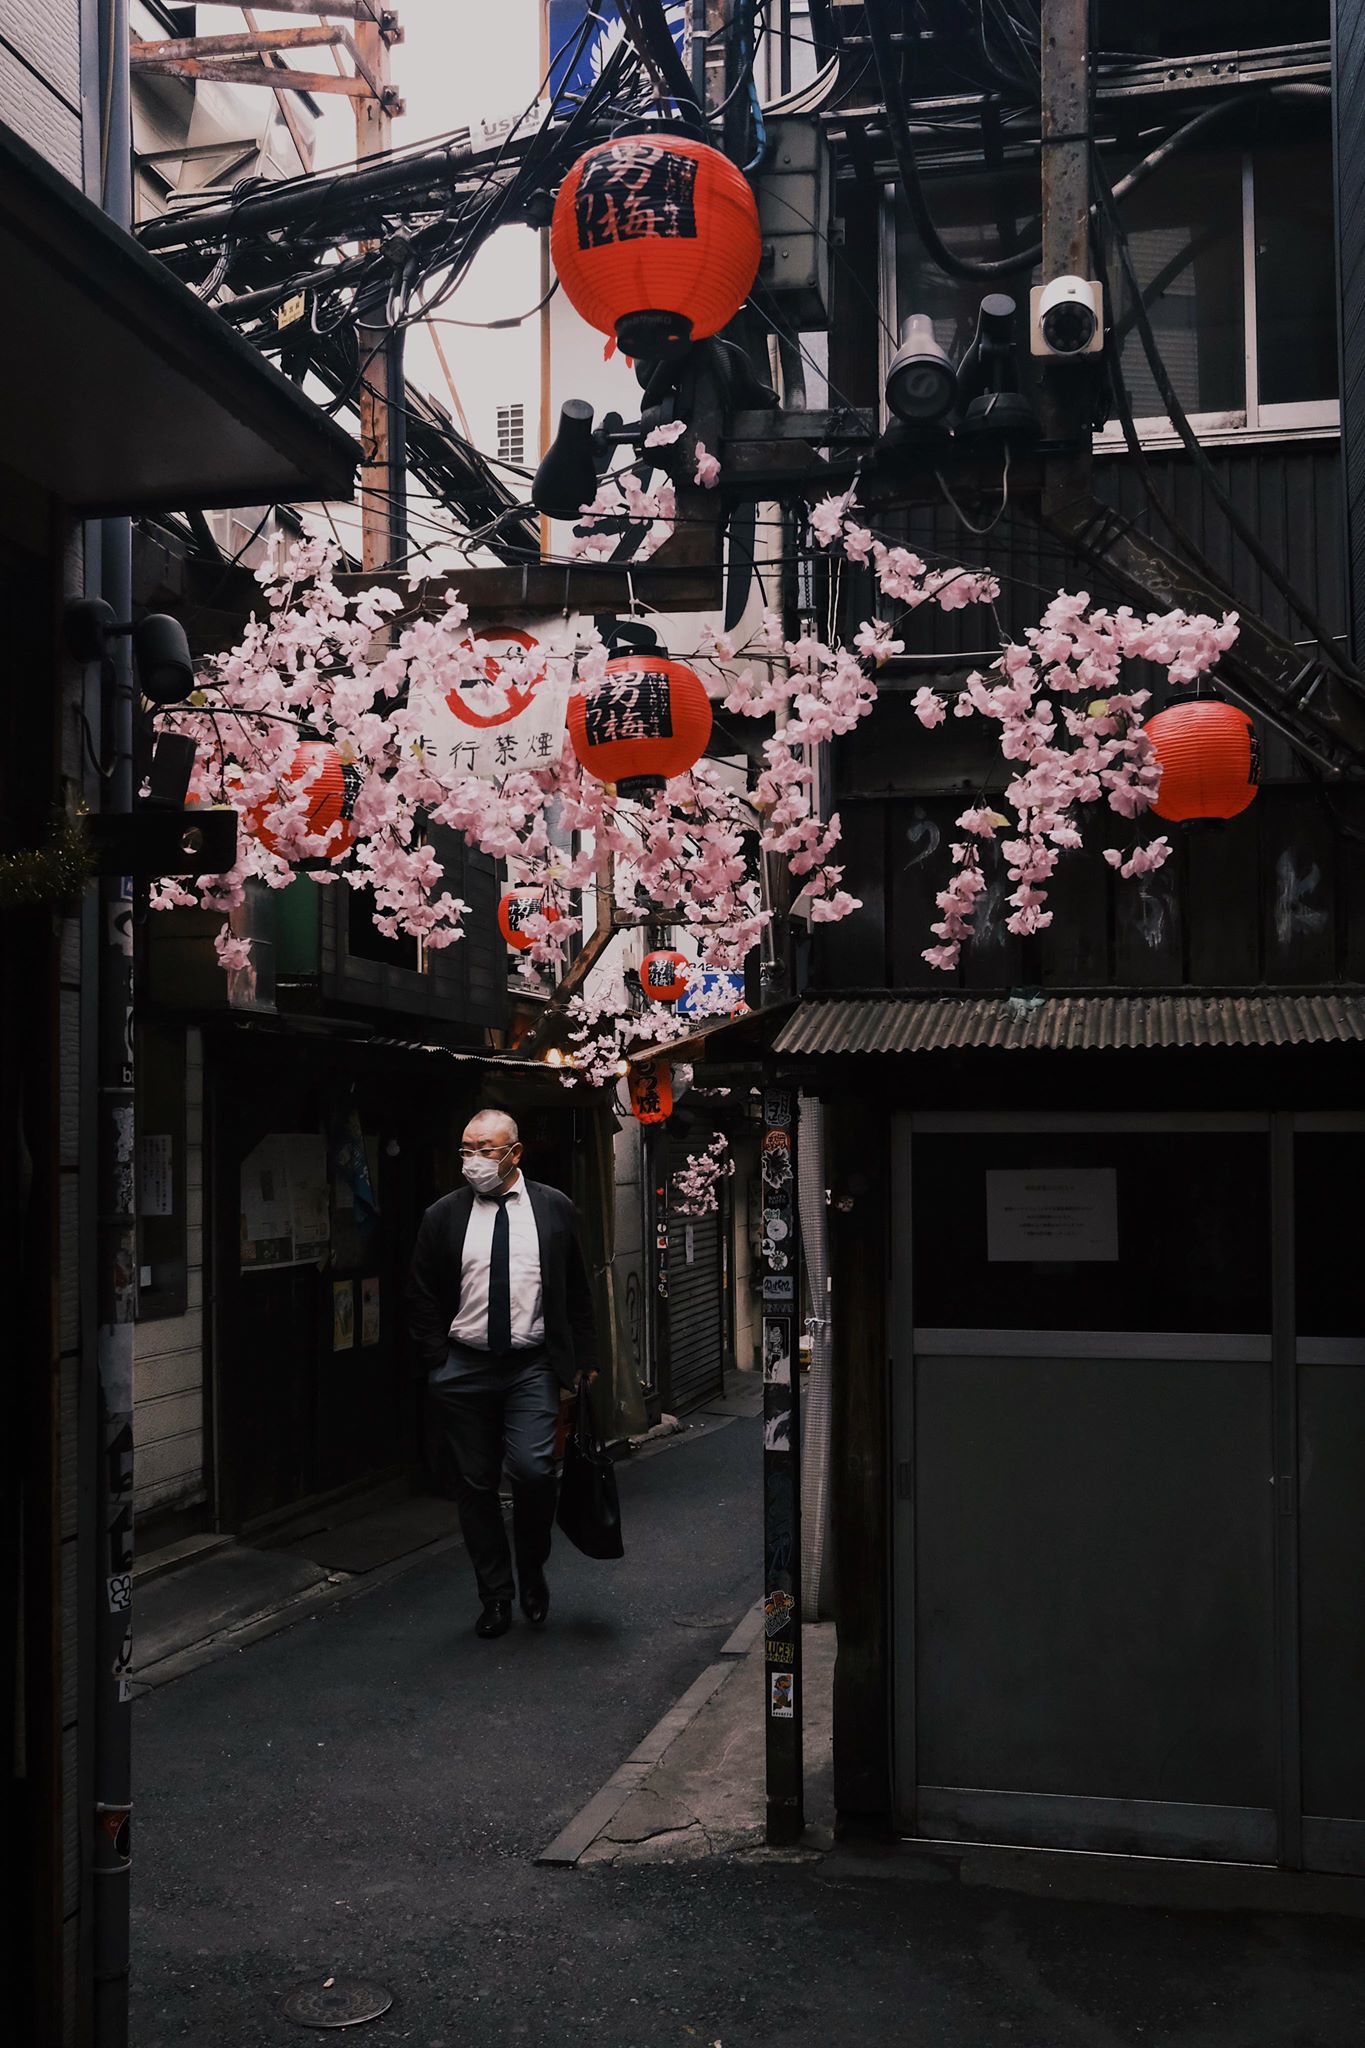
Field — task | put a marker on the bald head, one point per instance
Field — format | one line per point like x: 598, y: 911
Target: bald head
x: 490, y: 1141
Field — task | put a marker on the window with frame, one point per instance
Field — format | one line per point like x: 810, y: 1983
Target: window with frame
x: 512, y: 434
x: 1235, y: 252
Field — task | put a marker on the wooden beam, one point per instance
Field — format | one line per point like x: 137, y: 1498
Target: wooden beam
x: 231, y: 71
x: 242, y: 43
x: 544, y: 587
x: 350, y: 10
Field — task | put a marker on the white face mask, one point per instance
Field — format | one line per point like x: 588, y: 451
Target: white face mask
x: 484, y: 1174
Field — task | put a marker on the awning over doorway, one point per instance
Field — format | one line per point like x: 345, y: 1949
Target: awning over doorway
x: 900, y: 1021
x: 126, y: 393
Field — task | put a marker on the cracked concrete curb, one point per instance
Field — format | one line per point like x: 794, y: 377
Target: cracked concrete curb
x: 592, y: 1821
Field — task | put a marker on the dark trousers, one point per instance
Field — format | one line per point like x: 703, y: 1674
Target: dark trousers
x: 503, y: 1415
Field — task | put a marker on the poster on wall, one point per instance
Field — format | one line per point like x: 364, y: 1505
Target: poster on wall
x: 369, y: 1311
x: 1052, y: 1215
x: 285, y: 1216
x: 155, y: 1178
x: 343, y: 1315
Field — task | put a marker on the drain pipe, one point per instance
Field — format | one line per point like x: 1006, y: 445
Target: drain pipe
x: 116, y: 1239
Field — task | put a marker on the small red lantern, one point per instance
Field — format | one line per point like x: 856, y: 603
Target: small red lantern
x: 514, y: 909
x: 664, y: 976
x: 651, y: 1091
x: 1209, y: 759
x: 655, y: 239
x: 331, y: 792
x: 644, y: 719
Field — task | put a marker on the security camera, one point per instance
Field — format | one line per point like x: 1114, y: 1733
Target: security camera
x: 921, y: 383
x: 1066, y: 318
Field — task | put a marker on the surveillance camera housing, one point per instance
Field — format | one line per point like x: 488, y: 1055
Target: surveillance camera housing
x: 1067, y: 318
x: 921, y: 382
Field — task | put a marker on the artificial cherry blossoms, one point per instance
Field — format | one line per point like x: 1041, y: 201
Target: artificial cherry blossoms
x: 696, y: 1184
x: 1070, y: 732
x: 360, y: 671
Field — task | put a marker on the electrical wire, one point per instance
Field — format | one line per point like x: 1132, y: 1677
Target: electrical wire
x: 974, y: 270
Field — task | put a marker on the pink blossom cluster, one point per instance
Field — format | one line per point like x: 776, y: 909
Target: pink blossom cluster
x: 696, y: 1184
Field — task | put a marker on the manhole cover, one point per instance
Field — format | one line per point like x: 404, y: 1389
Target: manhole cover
x: 340, y: 2002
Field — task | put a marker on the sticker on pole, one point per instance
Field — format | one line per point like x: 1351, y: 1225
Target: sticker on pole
x: 782, y: 1705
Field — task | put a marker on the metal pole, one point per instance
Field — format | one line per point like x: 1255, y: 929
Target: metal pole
x: 780, y: 1268
x: 1066, y: 395
x: 116, y: 1248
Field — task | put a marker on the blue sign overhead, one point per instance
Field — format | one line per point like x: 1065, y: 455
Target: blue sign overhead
x: 703, y: 993
x: 572, y: 73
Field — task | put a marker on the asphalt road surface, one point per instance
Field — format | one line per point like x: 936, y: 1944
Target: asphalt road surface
x: 362, y: 1795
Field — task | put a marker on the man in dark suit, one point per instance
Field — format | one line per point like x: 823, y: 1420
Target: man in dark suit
x: 500, y: 1312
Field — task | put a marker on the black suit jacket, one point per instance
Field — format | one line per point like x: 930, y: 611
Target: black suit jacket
x: 566, y: 1295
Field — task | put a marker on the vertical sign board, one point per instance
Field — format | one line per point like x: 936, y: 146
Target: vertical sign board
x: 780, y: 1279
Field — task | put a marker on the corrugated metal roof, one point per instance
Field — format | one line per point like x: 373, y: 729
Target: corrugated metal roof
x: 894, y: 1023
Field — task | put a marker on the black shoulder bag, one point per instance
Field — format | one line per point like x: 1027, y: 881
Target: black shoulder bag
x: 589, y: 1507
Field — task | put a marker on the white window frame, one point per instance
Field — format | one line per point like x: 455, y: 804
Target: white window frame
x: 1315, y: 419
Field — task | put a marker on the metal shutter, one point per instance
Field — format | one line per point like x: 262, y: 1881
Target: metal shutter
x: 696, y: 1323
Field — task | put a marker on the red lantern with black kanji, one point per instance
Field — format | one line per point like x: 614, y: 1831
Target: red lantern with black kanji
x: 331, y: 790
x: 1209, y: 759
x: 514, y: 909
x: 655, y: 239
x: 644, y: 719
x: 663, y: 976
x: 651, y: 1091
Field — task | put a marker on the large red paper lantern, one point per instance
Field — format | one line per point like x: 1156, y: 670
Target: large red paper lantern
x: 331, y: 793
x: 655, y: 239
x: 1209, y: 759
x: 644, y: 719
x: 663, y: 976
x: 651, y: 1091
x: 514, y: 909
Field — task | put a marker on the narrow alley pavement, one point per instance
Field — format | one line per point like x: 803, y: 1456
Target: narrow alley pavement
x: 364, y: 1794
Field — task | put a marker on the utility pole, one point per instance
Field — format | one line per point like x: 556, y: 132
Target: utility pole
x: 1067, y: 390
x: 383, y: 518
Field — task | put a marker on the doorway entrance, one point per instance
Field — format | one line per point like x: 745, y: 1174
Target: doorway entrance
x: 1127, y: 1488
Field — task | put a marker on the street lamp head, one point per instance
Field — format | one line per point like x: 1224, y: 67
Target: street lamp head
x: 566, y: 480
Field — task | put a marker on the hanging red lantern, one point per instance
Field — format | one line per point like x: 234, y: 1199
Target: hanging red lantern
x: 1209, y: 759
x: 331, y: 789
x: 651, y: 1091
x: 655, y: 239
x: 644, y: 719
x: 663, y: 976
x: 514, y: 909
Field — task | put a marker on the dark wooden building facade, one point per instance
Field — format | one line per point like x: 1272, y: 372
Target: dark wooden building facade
x: 1099, y: 1382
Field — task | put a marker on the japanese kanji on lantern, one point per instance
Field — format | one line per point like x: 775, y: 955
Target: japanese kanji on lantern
x: 513, y: 911
x: 663, y: 975
x: 656, y: 241
x: 1209, y: 759
x: 331, y: 792
x: 651, y: 1091
x: 645, y: 719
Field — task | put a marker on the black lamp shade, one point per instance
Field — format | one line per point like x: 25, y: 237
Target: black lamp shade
x: 165, y: 668
x: 567, y: 477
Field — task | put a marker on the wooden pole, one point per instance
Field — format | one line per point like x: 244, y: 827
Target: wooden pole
x: 372, y: 127
x: 1066, y: 391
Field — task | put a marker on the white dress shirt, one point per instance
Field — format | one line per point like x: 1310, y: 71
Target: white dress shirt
x: 470, y: 1326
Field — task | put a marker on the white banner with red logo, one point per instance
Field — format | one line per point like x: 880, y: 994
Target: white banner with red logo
x: 509, y: 718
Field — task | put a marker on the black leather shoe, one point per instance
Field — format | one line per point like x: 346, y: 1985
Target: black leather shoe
x: 495, y: 1620
x: 535, y: 1597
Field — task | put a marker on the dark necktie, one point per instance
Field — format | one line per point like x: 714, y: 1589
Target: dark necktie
x: 500, y: 1281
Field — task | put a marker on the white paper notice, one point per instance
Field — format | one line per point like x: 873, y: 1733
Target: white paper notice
x: 155, y: 1181
x: 1065, y: 1214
